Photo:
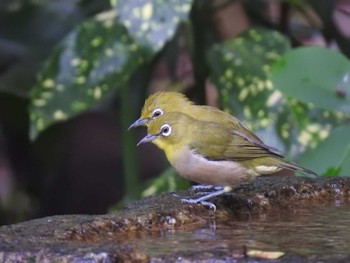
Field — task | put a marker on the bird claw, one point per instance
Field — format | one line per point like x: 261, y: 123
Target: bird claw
x: 202, y: 200
x: 197, y: 201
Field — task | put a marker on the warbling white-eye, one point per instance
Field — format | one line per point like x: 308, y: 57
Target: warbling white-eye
x: 163, y: 102
x: 211, y: 153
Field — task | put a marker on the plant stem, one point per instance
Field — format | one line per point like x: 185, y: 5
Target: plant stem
x: 131, y: 168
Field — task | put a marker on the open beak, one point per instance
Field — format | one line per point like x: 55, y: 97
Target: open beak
x: 148, y: 138
x: 139, y: 122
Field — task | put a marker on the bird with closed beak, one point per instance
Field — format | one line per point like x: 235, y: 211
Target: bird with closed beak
x: 162, y: 102
x: 211, y: 153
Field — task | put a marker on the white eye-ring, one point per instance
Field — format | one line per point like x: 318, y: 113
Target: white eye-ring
x: 156, y: 113
x: 165, y: 130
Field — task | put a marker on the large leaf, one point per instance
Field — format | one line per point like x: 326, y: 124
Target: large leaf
x: 333, y: 154
x: 100, y: 56
x: 239, y: 68
x: 316, y: 75
x: 152, y: 22
x: 89, y: 64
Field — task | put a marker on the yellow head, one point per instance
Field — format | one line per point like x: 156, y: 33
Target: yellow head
x: 159, y: 103
x: 174, y: 131
x: 169, y: 129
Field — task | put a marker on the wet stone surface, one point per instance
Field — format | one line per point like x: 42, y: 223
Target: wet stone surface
x: 305, y: 218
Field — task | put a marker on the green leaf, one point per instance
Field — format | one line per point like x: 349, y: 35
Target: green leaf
x: 315, y: 75
x: 332, y: 156
x: 90, y: 63
x: 333, y: 171
x: 240, y: 68
x: 100, y: 56
x: 153, y: 22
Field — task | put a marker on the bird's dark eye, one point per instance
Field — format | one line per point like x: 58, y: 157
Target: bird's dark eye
x: 165, y: 130
x: 156, y: 113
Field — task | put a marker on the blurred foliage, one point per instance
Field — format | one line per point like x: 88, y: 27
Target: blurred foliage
x: 29, y: 30
x: 152, y: 23
x: 334, y: 152
x: 91, y: 62
x: 240, y: 69
x: 100, y: 56
x: 317, y: 88
x: 293, y: 98
x: 167, y: 181
x: 313, y: 68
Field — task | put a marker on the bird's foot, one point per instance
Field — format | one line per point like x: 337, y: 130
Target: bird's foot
x: 203, y: 200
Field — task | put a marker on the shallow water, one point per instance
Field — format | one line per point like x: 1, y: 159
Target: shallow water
x: 322, y: 230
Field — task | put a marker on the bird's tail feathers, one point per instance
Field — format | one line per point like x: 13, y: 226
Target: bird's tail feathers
x: 295, y: 167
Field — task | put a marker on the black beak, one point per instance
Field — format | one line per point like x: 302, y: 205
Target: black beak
x: 148, y: 138
x: 139, y: 122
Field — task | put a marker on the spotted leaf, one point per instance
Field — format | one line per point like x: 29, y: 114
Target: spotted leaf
x: 153, y: 22
x: 90, y: 63
x: 240, y: 68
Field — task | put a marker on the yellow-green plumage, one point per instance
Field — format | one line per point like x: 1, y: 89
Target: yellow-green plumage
x: 212, y: 153
x: 174, y: 101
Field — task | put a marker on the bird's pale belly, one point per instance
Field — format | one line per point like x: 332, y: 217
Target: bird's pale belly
x: 201, y: 170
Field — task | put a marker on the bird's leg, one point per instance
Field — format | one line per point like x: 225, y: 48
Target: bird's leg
x: 206, y: 187
x: 202, y: 200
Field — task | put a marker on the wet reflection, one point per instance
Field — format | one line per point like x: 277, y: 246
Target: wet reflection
x: 317, y: 230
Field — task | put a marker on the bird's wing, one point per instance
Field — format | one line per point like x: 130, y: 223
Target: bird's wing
x: 227, y: 145
x: 256, y: 141
x: 240, y: 129
x: 242, y: 148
